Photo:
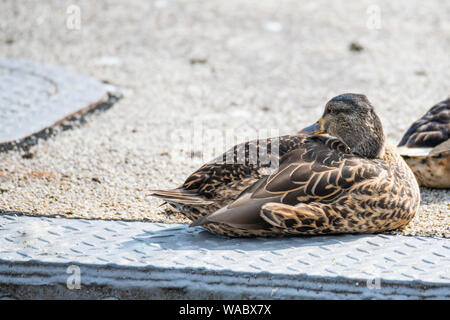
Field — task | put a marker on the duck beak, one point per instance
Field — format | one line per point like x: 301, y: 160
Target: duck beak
x: 316, y: 128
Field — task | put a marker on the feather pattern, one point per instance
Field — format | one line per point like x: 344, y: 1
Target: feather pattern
x: 320, y: 187
x: 426, y: 147
x: 350, y: 182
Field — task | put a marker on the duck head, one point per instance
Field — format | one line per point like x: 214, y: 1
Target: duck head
x: 351, y: 118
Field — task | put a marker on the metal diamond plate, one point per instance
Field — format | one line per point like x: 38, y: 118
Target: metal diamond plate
x: 35, y: 96
x: 154, y: 260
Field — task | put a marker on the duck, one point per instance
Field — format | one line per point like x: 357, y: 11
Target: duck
x: 338, y: 175
x: 426, y: 147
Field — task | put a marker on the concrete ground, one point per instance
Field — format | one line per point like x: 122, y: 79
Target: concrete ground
x: 198, y: 68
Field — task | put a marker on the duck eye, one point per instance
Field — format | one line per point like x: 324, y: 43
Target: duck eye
x: 332, y: 111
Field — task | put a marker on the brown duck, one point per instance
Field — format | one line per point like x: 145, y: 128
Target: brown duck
x: 351, y: 181
x: 426, y: 147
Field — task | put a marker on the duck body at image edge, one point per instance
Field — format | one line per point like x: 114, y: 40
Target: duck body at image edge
x: 426, y: 147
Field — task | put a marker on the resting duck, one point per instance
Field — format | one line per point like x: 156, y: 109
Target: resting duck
x: 352, y: 181
x: 426, y: 147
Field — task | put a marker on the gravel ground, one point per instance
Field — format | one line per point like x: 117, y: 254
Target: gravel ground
x: 207, y: 68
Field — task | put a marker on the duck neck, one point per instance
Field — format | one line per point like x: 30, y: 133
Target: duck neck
x: 390, y: 153
x: 370, y: 147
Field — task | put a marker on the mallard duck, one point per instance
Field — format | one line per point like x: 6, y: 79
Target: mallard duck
x: 349, y: 181
x: 426, y: 147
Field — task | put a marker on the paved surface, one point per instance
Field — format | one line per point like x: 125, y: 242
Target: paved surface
x: 204, y: 67
x: 39, y: 258
x: 36, y: 96
x: 190, y: 68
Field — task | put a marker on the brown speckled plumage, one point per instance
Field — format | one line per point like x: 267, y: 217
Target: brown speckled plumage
x: 426, y: 147
x: 320, y: 187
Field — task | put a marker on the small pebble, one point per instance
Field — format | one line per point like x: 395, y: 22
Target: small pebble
x: 354, y: 46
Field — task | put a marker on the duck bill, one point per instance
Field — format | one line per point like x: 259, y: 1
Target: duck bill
x: 315, y: 128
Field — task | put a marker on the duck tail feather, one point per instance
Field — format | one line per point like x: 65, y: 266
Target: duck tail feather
x: 200, y: 221
x: 180, y: 196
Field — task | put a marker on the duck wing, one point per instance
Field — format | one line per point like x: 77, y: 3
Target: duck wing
x: 441, y: 148
x: 430, y: 130
x: 232, y: 172
x: 320, y: 170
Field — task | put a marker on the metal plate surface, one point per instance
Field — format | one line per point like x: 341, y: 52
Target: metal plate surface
x: 151, y: 260
x: 36, y: 96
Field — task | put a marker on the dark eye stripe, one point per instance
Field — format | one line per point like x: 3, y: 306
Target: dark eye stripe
x: 338, y: 110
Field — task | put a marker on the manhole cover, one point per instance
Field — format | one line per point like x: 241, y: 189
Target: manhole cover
x: 35, y: 97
